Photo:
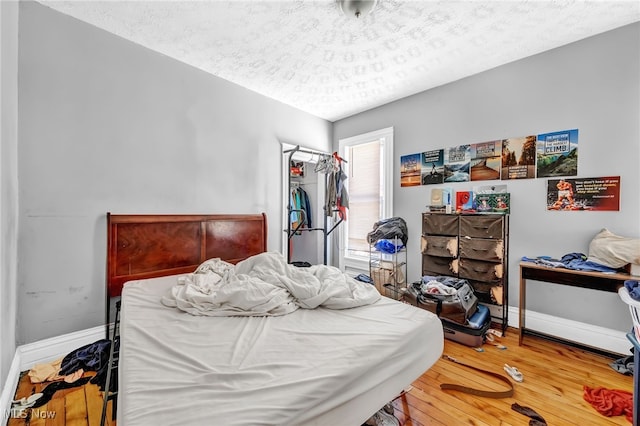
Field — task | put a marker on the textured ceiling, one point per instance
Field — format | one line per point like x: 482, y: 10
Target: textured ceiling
x: 308, y: 55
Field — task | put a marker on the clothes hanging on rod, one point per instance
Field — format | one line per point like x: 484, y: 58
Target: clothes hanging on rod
x: 337, y: 198
x: 300, y: 208
x: 324, y: 164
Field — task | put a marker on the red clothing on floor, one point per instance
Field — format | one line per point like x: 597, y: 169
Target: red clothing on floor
x: 610, y: 402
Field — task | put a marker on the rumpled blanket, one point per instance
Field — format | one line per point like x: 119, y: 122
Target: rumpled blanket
x: 265, y: 285
x: 610, y: 402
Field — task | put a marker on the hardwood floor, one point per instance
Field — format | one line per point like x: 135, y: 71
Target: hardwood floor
x: 554, y: 376
x: 78, y: 406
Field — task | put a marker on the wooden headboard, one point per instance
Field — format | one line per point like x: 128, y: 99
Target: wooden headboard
x: 149, y: 246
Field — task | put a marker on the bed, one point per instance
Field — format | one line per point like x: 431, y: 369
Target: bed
x: 309, y: 367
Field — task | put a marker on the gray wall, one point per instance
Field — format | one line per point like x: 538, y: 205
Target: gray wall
x: 106, y: 125
x: 592, y: 85
x: 8, y: 183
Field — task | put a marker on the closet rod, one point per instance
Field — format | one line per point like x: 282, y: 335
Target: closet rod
x: 298, y: 149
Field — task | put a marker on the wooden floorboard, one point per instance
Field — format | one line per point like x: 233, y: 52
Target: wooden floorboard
x: 77, y: 406
x: 554, y: 376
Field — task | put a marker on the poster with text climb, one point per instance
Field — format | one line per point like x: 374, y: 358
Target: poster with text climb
x: 557, y: 154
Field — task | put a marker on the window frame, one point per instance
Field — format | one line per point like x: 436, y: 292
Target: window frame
x: 361, y: 264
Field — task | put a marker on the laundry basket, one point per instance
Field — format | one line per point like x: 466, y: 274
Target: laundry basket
x: 634, y: 338
x: 634, y: 309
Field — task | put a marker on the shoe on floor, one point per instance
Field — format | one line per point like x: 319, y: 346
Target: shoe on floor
x: 382, y: 418
x: 27, y: 402
x: 514, y: 373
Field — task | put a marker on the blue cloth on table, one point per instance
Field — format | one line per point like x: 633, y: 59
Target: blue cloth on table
x: 575, y: 261
x: 587, y: 265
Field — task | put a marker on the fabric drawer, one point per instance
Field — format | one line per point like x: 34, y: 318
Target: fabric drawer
x: 482, y: 249
x: 440, y: 246
x: 480, y: 226
x: 478, y: 270
x: 488, y: 292
x: 434, y: 265
x: 440, y: 224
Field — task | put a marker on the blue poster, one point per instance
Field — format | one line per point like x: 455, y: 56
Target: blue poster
x: 557, y: 154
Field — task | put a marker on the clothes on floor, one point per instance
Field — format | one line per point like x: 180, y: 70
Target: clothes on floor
x: 91, y: 357
x: 50, y: 372
x: 46, y: 372
x: 610, y: 402
x: 49, y: 390
x: 623, y: 365
x: 536, y: 419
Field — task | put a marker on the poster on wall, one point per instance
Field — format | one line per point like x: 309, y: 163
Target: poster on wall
x: 433, y: 167
x: 457, y: 161
x: 519, y: 158
x: 596, y: 194
x: 557, y: 154
x: 485, y: 160
x: 410, y: 166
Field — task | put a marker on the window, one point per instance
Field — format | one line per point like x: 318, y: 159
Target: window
x: 369, y: 183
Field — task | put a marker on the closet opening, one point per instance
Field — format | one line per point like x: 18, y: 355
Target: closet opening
x: 310, y: 214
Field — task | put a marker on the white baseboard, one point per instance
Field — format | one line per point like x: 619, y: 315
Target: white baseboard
x: 26, y: 356
x: 56, y: 347
x: 587, y: 334
x: 9, y: 388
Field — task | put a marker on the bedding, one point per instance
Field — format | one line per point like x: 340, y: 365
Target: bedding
x: 319, y: 366
x: 326, y: 351
x: 265, y: 284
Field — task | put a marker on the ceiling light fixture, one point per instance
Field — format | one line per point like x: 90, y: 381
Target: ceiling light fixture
x: 356, y: 8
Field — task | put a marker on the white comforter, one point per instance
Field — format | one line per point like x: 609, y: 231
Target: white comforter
x: 265, y: 285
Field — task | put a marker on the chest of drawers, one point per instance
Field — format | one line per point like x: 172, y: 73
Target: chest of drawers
x: 473, y: 247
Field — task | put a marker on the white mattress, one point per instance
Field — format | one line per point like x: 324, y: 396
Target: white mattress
x: 311, y: 367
